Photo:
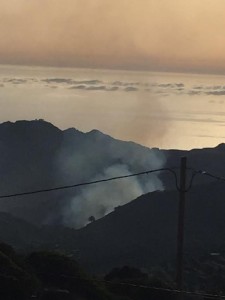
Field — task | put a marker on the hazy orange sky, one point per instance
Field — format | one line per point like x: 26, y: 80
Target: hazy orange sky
x: 174, y: 35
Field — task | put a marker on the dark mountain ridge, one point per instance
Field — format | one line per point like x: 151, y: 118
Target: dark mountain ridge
x: 36, y: 155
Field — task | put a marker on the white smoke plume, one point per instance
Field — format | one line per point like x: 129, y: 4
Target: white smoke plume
x: 100, y: 199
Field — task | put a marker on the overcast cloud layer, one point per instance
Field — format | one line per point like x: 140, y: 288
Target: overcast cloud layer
x: 133, y: 34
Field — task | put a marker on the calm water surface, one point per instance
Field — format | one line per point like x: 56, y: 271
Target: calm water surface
x: 164, y: 110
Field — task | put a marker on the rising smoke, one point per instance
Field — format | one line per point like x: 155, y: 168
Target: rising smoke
x: 101, y: 157
x: 101, y: 199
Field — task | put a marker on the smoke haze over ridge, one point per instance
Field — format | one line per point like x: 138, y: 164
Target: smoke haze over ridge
x: 99, y: 200
x: 96, y: 156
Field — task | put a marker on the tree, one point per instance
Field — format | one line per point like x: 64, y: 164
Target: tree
x: 91, y: 219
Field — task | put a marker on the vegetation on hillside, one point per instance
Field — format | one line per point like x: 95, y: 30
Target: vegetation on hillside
x: 47, y: 275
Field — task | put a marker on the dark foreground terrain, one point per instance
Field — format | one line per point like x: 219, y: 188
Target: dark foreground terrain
x: 140, y: 234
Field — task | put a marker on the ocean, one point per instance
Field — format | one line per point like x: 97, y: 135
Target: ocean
x: 155, y: 109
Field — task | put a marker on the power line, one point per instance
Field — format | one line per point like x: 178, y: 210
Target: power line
x: 212, y: 175
x: 194, y: 174
x: 90, y: 183
x: 171, y: 170
x: 204, y: 173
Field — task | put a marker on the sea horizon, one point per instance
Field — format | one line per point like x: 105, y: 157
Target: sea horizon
x: 156, y: 109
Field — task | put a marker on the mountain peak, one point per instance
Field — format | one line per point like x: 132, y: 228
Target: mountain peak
x: 37, y: 123
x: 96, y: 134
x: 72, y: 130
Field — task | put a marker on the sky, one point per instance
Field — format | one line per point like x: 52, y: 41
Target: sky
x: 156, y: 35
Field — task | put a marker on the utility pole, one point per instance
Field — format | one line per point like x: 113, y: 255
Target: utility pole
x: 180, y: 228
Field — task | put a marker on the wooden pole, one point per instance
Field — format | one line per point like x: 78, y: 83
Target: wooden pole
x: 180, y: 229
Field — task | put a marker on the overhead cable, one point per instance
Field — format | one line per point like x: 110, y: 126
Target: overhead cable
x: 171, y: 170
x: 88, y: 183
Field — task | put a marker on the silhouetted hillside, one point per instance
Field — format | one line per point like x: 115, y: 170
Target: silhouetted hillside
x: 36, y: 155
x: 143, y: 233
x: 20, y: 233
